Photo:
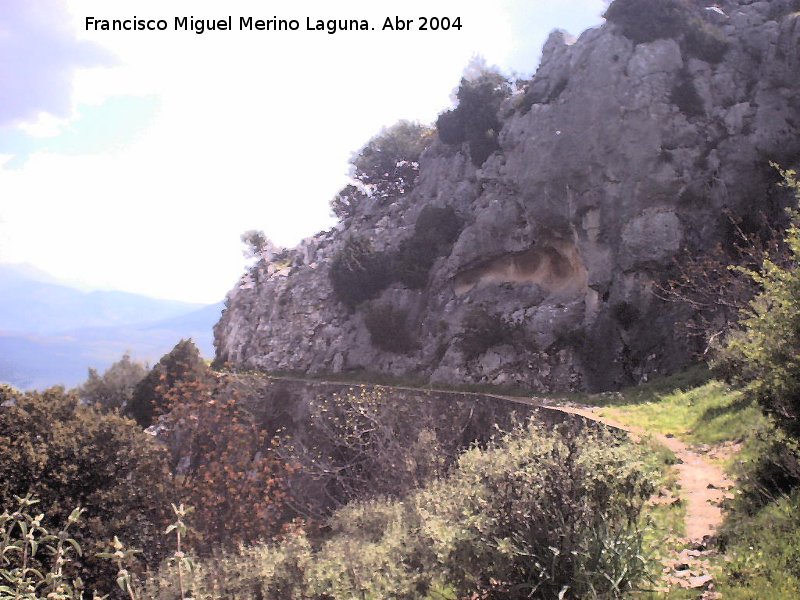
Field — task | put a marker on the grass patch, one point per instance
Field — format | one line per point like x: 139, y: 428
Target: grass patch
x: 709, y: 414
x: 763, y: 553
x: 661, y: 386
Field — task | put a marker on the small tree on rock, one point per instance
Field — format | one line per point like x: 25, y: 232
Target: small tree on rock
x: 182, y: 364
x: 385, y: 168
x: 475, y: 120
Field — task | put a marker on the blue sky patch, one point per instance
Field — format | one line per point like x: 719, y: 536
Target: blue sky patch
x: 100, y: 129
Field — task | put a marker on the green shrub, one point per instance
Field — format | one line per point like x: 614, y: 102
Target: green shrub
x: 347, y: 201
x: 371, y: 550
x: 646, y: 21
x: 762, y: 553
x: 483, y: 330
x: 376, y: 550
x: 437, y: 227
x: 770, y: 472
x: 385, y: 168
x: 684, y: 95
x: 389, y: 328
x: 450, y: 126
x: 389, y: 164
x: 475, y: 119
x: 25, y: 570
x: 537, y: 514
x: 435, y: 231
x: 258, y: 572
x: 542, y: 514
x: 764, y: 355
x: 358, y: 272
x: 705, y: 42
x: 68, y: 455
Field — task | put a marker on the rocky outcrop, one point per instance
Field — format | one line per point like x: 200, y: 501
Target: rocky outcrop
x: 617, y: 158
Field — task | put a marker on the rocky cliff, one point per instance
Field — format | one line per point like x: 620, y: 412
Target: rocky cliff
x: 625, y: 150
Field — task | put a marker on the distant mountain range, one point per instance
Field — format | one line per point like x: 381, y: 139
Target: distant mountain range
x: 52, y: 332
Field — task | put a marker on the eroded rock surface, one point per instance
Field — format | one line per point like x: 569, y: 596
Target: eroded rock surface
x: 617, y: 158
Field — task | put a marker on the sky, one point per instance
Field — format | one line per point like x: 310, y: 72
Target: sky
x: 134, y: 160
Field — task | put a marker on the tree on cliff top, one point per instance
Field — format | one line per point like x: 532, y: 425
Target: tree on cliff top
x: 386, y: 167
x: 646, y: 21
x: 475, y: 120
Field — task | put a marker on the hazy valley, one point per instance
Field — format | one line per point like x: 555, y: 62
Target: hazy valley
x: 51, y: 333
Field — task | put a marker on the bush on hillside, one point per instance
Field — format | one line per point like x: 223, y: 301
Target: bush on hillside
x: 182, y: 364
x: 626, y: 314
x: 705, y: 42
x: 762, y: 552
x: 684, y: 95
x: 646, y: 21
x: 358, y: 273
x: 542, y: 514
x: 258, y: 572
x: 67, y: 454
x: 375, y: 550
x: 347, y: 201
x: 389, y: 164
x: 385, y: 168
x: 483, y: 330
x: 764, y: 355
x: 224, y: 466
x: 113, y: 390
x: 435, y: 231
x: 389, y: 328
x: 772, y: 472
x: 475, y: 119
x: 538, y: 514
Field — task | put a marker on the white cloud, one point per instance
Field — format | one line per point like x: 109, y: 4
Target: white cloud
x: 253, y: 130
x: 45, y: 55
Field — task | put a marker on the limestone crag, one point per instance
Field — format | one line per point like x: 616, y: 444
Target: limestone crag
x: 614, y: 160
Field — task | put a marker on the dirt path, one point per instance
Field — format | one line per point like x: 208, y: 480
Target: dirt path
x: 703, y: 487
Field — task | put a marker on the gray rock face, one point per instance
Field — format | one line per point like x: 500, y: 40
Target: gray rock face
x: 611, y: 173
